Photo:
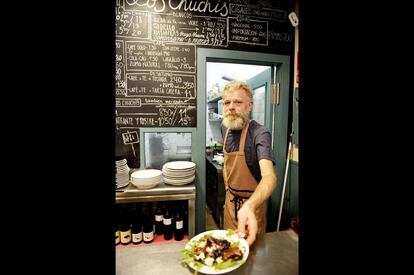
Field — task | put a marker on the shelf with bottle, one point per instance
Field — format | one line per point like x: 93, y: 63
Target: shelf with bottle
x: 213, y: 99
x: 213, y: 94
x: 213, y: 116
x: 162, y: 192
x: 151, y: 223
x: 215, y: 109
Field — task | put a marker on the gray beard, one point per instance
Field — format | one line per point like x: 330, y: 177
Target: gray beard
x: 233, y: 123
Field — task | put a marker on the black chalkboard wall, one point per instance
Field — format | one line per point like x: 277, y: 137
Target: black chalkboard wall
x: 156, y: 43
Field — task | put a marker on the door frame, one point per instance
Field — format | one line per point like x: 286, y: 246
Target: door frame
x: 280, y: 115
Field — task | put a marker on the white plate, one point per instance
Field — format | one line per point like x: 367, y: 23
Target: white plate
x: 122, y: 169
x: 146, y: 184
x: 178, y: 175
x: 179, y: 181
x: 147, y: 173
x: 121, y: 184
x: 121, y: 161
x: 180, y: 164
x: 122, y: 177
x: 167, y: 170
x: 243, y: 245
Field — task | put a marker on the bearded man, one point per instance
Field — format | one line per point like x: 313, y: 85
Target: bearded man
x: 249, y: 175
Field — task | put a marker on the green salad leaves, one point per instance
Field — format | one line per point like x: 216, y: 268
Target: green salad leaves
x: 190, y: 259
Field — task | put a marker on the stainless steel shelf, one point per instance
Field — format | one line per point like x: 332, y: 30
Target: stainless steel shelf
x: 214, y: 100
x: 162, y: 192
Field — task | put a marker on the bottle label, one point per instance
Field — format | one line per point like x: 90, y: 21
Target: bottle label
x: 167, y: 221
x: 148, y: 236
x: 179, y: 224
x: 158, y: 218
x: 117, y: 237
x: 126, y: 236
x: 136, y: 238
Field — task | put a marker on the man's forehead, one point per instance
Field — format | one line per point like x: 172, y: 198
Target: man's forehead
x: 237, y: 93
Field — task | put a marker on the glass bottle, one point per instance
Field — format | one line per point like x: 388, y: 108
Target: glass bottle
x: 184, y: 211
x: 125, y: 227
x: 168, y: 226
x: 178, y: 226
x: 148, y: 227
x: 159, y: 225
x: 136, y: 227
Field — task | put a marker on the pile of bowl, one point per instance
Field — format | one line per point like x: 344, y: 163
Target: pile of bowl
x: 146, y: 178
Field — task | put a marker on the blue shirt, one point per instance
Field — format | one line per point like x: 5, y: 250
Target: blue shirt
x: 258, y: 145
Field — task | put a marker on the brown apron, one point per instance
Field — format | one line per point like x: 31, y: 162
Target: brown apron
x: 240, y: 184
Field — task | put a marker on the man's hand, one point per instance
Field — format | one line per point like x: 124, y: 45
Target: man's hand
x: 247, y: 223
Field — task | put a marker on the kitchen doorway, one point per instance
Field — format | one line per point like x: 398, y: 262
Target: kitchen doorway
x: 218, y: 75
x: 272, y: 71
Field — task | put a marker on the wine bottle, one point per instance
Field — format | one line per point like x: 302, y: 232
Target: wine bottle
x: 148, y: 228
x: 125, y: 228
x: 168, y: 226
x: 178, y: 226
x: 136, y: 227
x: 159, y: 225
x: 184, y: 210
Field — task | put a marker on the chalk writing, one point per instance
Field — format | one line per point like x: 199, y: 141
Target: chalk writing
x: 131, y: 23
x: 130, y: 137
x: 141, y: 55
x: 120, y: 68
x: 128, y: 102
x: 160, y: 85
x: 155, y: 58
x: 248, y: 31
x: 164, y: 84
x: 280, y: 36
x: 200, y: 30
x: 258, y: 11
x: 195, y: 6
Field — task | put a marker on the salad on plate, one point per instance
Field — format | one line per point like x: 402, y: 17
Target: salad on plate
x: 215, y: 252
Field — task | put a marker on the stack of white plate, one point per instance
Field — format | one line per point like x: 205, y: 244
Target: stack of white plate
x: 147, y: 178
x: 178, y: 172
x: 122, y: 173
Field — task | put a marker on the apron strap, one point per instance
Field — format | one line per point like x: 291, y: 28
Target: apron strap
x: 238, y: 202
x: 243, y: 137
x: 225, y: 140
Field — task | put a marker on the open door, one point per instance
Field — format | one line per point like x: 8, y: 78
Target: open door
x: 275, y: 116
x: 261, y: 86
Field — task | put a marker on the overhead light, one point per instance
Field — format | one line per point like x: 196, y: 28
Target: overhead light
x: 227, y: 78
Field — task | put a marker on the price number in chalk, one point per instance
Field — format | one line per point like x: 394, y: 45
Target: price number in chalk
x: 130, y: 137
x: 173, y: 117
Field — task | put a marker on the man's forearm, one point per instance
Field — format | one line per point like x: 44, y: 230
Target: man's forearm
x: 265, y: 187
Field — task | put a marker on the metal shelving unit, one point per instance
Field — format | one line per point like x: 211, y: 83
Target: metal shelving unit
x: 162, y: 192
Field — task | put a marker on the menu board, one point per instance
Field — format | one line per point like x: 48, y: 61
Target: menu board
x: 156, y: 45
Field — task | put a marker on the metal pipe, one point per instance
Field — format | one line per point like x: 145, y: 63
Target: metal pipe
x: 284, y: 184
